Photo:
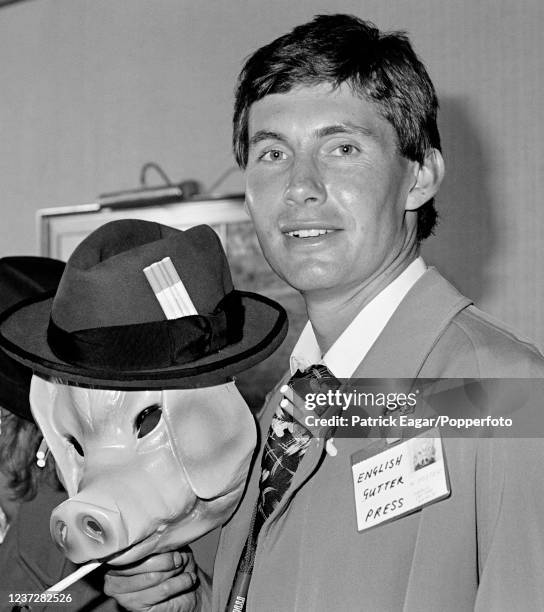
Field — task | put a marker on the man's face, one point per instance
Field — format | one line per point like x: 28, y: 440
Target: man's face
x: 327, y: 188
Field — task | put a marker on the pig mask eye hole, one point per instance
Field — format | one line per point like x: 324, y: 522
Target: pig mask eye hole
x: 147, y: 420
x: 76, y: 445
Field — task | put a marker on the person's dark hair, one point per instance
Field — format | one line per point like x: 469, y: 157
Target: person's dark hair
x: 19, y: 441
x: 336, y: 49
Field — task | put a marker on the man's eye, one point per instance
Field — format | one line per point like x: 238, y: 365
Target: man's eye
x: 345, y: 150
x: 273, y: 156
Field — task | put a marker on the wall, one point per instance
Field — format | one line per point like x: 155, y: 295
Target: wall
x: 92, y: 89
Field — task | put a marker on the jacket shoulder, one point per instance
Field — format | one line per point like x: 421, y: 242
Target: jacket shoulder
x: 477, y: 345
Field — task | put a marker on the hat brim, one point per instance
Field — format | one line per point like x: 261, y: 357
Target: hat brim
x: 23, y: 335
x: 14, y: 386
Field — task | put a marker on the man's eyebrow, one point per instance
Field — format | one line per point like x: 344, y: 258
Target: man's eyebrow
x: 261, y: 135
x: 345, y: 128
x: 328, y: 130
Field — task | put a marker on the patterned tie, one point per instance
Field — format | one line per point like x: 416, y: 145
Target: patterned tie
x: 285, y: 446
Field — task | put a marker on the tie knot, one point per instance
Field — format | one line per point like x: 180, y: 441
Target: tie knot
x: 316, y: 379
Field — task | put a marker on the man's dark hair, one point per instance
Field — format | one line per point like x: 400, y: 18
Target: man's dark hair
x: 380, y: 67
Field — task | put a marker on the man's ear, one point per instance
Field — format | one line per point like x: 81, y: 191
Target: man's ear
x: 427, y: 180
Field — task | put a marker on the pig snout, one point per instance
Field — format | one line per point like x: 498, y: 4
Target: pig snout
x: 84, y: 530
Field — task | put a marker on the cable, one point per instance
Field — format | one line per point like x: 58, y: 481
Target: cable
x: 153, y: 166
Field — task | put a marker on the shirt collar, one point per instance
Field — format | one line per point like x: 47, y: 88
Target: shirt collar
x: 356, y: 340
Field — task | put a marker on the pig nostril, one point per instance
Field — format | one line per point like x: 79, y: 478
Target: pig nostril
x: 93, y: 529
x: 62, y: 531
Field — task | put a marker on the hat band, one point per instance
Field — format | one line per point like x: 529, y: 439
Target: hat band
x: 153, y: 345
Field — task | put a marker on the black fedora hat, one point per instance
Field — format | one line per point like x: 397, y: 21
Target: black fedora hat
x: 22, y: 278
x: 105, y: 326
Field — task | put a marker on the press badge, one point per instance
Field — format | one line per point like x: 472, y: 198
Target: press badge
x: 398, y: 479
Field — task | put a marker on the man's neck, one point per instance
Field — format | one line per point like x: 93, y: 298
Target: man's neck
x: 331, y: 312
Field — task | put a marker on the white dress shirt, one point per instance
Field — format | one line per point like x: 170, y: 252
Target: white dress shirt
x: 353, y: 344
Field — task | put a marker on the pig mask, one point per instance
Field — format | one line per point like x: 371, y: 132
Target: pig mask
x: 144, y: 329
x: 146, y: 471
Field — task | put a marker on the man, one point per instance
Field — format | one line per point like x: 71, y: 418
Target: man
x: 335, y: 126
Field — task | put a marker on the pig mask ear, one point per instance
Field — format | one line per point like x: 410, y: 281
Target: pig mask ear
x: 44, y: 395
x: 213, y: 434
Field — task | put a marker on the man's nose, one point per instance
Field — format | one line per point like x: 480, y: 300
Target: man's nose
x: 305, y: 185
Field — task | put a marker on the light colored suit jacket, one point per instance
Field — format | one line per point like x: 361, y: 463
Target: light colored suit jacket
x: 482, y: 548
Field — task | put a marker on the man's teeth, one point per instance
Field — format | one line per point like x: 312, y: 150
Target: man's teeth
x: 308, y: 233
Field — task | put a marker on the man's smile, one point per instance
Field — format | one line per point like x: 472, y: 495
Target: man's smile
x: 309, y: 228
x: 308, y: 233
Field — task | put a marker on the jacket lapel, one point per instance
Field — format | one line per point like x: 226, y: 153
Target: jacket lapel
x: 413, y: 330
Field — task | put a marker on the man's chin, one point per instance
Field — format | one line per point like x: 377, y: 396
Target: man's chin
x: 310, y: 283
